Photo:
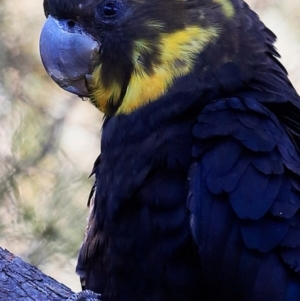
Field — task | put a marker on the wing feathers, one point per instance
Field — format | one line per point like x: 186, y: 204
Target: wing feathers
x: 244, y: 199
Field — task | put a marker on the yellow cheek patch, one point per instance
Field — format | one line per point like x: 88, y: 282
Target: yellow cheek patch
x: 227, y: 7
x: 102, y: 94
x: 178, y: 52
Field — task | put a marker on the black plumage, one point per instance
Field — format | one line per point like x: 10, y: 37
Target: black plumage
x: 197, y: 190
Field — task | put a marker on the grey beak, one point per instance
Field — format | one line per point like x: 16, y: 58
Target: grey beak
x: 69, y: 55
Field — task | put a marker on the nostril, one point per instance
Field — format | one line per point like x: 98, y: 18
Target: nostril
x: 71, y: 24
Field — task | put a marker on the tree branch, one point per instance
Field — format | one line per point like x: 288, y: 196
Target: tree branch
x: 22, y: 281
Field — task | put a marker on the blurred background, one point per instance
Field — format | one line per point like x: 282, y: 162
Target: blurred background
x: 49, y: 139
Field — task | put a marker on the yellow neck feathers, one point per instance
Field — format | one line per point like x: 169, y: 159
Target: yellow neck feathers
x: 178, y: 52
x: 227, y: 7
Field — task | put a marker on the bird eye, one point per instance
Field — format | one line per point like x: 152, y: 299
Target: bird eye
x: 109, y: 12
x: 109, y: 9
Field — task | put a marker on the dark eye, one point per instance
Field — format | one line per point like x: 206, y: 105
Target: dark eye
x: 109, y: 9
x: 109, y: 12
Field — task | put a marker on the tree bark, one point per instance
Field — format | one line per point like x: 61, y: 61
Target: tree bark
x: 22, y: 281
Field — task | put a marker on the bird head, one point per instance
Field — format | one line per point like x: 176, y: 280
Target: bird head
x: 123, y: 54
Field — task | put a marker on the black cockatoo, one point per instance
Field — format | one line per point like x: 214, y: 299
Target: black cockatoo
x: 197, y: 189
